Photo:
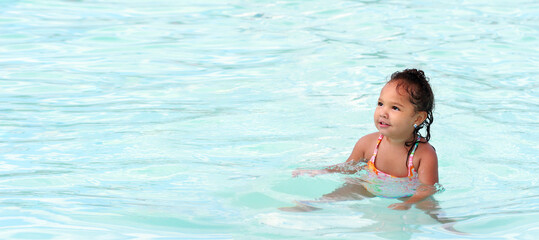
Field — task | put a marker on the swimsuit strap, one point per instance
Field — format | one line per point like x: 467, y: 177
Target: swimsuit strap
x: 376, y: 148
x: 411, y: 157
x: 377, y: 144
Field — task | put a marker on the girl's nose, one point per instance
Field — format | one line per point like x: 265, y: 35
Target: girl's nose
x: 383, y: 112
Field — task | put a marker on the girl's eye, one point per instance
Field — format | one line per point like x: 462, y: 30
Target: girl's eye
x: 396, y: 108
x: 380, y: 104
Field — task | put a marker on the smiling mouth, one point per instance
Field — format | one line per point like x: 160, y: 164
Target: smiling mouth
x: 383, y: 124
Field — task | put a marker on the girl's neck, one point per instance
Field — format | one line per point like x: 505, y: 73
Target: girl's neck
x: 397, y: 141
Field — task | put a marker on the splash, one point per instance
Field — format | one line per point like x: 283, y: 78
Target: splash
x: 434, y: 189
x: 391, y: 187
x: 349, y: 167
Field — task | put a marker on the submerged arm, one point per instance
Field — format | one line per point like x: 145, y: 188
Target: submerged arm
x: 428, y: 176
x: 422, y: 192
x: 349, y: 167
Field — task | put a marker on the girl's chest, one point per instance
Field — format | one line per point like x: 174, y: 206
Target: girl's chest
x: 393, y: 162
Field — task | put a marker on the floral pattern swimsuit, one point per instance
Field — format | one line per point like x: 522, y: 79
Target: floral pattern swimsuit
x: 386, y: 185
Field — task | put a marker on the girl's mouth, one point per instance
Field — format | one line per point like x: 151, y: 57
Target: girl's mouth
x: 383, y: 124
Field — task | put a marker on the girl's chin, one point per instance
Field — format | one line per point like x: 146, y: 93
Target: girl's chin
x: 391, y: 134
x: 386, y: 132
x: 382, y: 128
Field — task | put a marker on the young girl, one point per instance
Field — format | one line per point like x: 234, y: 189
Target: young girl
x: 402, y: 163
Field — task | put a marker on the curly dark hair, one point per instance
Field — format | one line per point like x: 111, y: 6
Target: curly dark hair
x: 418, y: 88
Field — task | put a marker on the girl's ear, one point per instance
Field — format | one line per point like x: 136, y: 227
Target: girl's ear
x: 421, y: 116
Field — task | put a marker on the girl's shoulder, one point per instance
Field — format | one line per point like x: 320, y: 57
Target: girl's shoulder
x: 426, y: 145
x: 369, y: 138
x: 426, y: 151
x: 368, y: 141
x: 426, y: 163
x: 363, y: 148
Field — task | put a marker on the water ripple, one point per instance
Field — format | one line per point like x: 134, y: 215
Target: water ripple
x: 179, y: 119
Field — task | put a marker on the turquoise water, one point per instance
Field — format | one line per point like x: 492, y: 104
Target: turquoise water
x: 184, y: 119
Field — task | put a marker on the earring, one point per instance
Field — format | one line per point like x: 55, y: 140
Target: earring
x: 415, y: 125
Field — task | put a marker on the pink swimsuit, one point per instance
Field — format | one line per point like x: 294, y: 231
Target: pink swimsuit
x: 382, y: 184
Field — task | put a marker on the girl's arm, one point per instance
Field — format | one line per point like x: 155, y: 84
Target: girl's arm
x: 428, y: 176
x: 348, y: 167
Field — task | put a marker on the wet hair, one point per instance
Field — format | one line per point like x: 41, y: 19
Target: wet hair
x: 414, y: 82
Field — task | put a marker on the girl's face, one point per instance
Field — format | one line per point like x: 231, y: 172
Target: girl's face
x: 395, y: 115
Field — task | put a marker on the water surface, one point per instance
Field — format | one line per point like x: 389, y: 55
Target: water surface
x: 184, y: 119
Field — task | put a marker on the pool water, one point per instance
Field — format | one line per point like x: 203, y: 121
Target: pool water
x: 184, y: 119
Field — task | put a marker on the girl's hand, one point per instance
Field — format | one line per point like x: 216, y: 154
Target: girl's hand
x: 400, y: 206
x: 311, y: 173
